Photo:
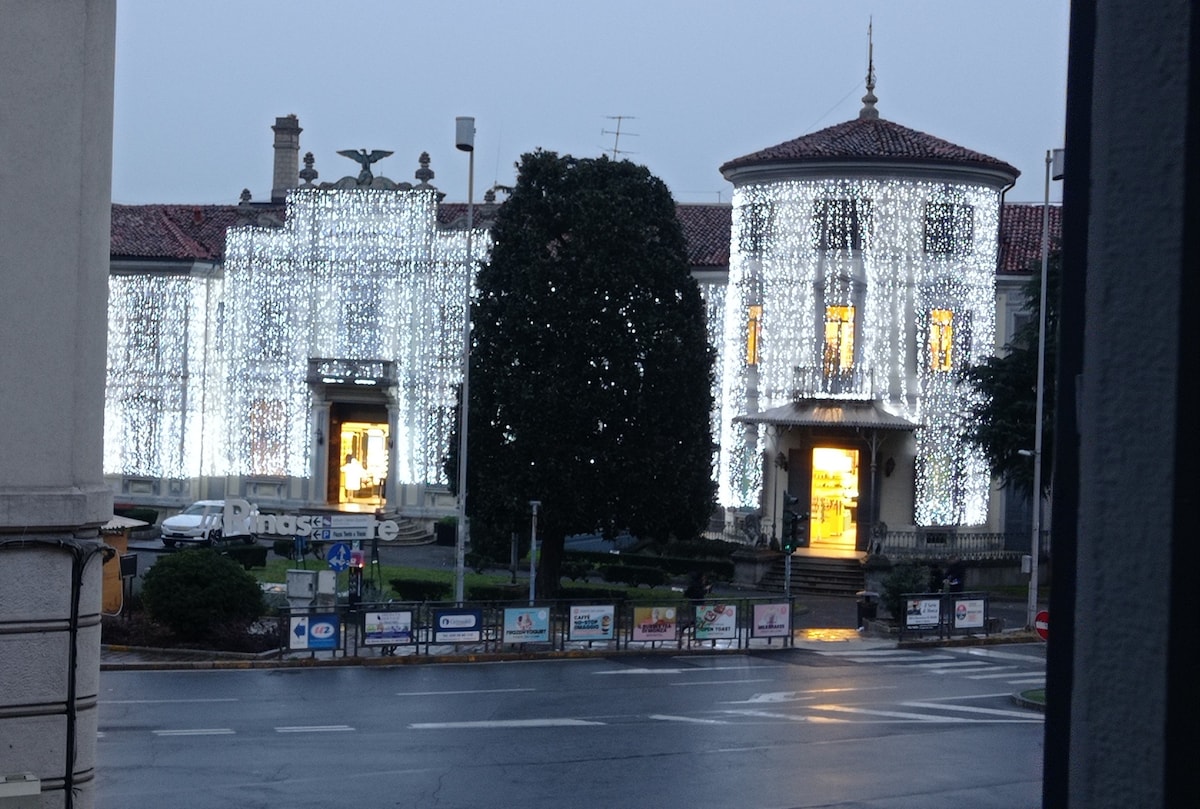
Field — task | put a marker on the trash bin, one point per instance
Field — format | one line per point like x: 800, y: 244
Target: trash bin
x: 868, y: 607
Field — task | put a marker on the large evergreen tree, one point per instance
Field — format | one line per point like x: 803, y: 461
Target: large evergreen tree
x: 590, y: 368
x: 1004, y: 420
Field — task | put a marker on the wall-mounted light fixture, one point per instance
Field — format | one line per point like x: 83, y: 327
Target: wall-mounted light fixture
x: 781, y: 461
x: 889, y: 467
x: 320, y: 436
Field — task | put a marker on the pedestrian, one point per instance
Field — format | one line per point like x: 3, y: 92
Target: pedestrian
x: 352, y: 476
x: 697, y: 588
x: 956, y: 573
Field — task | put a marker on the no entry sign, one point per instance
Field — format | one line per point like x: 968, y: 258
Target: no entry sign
x: 1041, y: 624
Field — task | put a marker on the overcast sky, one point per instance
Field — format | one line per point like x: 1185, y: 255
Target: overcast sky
x: 199, y: 84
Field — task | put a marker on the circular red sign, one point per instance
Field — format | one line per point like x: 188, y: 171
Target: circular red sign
x: 1041, y: 624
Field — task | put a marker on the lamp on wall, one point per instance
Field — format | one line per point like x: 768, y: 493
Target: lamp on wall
x: 889, y: 466
x: 781, y: 461
x: 320, y: 436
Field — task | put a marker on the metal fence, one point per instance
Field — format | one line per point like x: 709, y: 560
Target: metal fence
x: 440, y: 628
x: 920, y: 543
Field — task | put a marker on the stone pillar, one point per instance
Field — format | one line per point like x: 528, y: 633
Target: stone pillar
x: 287, y: 157
x: 56, y: 90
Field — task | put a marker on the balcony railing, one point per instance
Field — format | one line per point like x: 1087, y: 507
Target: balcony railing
x: 809, y: 382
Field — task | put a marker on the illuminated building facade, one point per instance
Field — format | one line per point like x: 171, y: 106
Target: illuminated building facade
x: 862, y: 278
x: 314, y: 362
x: 253, y: 347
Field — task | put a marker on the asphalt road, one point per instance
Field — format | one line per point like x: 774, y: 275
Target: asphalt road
x: 879, y: 728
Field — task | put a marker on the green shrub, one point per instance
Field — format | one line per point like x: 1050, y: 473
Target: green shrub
x: 198, y: 592
x: 907, y: 577
x: 575, y: 569
x: 504, y: 593
x: 633, y: 575
x: 146, y: 515
x: 420, y: 589
x: 247, y: 556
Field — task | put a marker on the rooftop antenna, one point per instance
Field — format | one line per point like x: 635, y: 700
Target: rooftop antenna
x: 616, y: 133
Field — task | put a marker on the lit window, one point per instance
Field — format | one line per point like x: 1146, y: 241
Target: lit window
x: 839, y: 339
x: 753, y: 335
x: 941, y: 340
x: 949, y: 228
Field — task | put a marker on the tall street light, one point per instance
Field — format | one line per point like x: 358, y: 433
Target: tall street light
x: 464, y: 140
x: 533, y: 504
x: 1054, y: 160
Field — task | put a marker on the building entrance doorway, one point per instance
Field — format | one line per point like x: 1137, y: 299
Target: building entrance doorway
x: 833, y: 512
x: 358, y: 455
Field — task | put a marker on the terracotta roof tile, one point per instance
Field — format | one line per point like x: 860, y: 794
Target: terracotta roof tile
x: 1021, y: 237
x: 869, y: 140
x: 197, y: 232
x: 175, y: 232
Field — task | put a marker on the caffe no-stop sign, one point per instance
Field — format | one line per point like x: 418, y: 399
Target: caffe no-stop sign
x: 1041, y: 624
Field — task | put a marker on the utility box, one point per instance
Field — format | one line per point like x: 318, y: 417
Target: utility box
x: 301, y: 588
x: 21, y: 790
x: 301, y: 583
x: 326, y: 582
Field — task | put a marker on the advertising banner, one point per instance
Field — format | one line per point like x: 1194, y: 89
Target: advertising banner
x: 922, y: 613
x: 457, y: 626
x: 968, y: 613
x: 592, y: 623
x: 316, y: 631
x: 654, y: 623
x: 771, y: 620
x: 526, y: 625
x: 716, y: 621
x: 387, y: 628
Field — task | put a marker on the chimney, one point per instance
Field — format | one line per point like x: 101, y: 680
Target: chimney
x: 287, y: 157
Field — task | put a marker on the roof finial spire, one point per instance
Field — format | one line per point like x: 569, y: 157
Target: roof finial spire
x: 868, y: 110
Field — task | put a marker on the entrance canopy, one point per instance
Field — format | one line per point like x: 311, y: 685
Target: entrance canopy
x: 854, y: 413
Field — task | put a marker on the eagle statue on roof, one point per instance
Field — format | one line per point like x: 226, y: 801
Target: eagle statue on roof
x: 365, y: 159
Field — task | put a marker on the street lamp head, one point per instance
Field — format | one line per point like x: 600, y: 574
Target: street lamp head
x: 464, y: 134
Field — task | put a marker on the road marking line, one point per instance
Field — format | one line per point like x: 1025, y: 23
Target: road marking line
x: 314, y: 729
x: 505, y: 723
x: 692, y: 720
x: 1002, y: 671
x: 919, y: 717
x: 969, y: 709
x: 195, y: 732
x: 471, y: 691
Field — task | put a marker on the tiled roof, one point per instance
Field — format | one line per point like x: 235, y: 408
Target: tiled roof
x: 171, y: 232
x: 706, y: 228
x: 197, y: 232
x: 829, y: 413
x: 869, y: 140
x: 1021, y: 237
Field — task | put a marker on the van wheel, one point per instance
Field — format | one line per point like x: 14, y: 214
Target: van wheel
x: 170, y: 543
x: 249, y: 539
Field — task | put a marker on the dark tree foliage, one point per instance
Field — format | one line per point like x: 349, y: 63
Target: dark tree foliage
x: 1004, y: 421
x: 590, y: 367
x: 198, y: 592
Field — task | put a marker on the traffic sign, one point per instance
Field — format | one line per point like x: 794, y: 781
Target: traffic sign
x: 338, y: 556
x: 1041, y: 624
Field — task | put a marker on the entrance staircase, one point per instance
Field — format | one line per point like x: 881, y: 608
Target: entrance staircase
x: 816, y: 575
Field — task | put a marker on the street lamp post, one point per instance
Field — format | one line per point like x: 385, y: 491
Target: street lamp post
x: 464, y: 140
x: 533, y: 504
x: 1054, y: 159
